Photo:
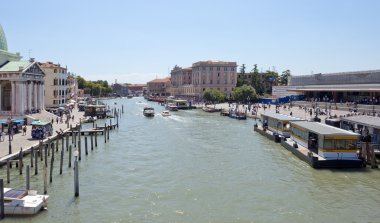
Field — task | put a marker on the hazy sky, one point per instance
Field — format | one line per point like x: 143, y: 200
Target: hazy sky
x: 135, y: 41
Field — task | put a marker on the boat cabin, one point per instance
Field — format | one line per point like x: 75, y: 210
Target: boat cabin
x: 327, y: 141
x: 181, y: 104
x: 361, y: 123
x: 99, y: 111
x: 278, y: 123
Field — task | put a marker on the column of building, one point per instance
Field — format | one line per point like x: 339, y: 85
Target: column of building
x: 41, y: 91
x: 30, y: 98
x: 35, y: 105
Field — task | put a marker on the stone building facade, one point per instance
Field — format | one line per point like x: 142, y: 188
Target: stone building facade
x: 56, y: 85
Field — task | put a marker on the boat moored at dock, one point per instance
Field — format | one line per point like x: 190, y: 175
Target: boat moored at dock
x: 278, y: 123
x: 323, y: 146
x: 23, y: 202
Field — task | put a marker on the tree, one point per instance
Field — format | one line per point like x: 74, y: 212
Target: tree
x: 257, y: 81
x: 81, y: 82
x: 244, y: 93
x: 213, y: 95
x: 270, y: 77
x: 242, y: 69
x: 285, y: 77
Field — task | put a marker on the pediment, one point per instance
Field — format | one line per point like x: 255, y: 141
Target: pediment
x: 35, y: 69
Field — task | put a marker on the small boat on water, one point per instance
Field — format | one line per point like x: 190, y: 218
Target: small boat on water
x: 129, y: 96
x: 172, y: 107
x: 211, y: 110
x: 23, y: 202
x: 148, y: 112
x: 165, y: 113
x: 89, y: 119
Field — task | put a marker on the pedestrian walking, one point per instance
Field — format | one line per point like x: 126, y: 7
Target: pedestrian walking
x: 24, y: 130
x: 2, y: 135
x: 56, y: 119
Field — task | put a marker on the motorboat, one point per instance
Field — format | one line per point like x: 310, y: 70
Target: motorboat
x: 89, y: 119
x: 23, y: 202
x: 172, y: 107
x: 165, y: 113
x: 148, y: 112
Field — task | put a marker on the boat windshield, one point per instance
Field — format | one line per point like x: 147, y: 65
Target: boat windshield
x: 16, y: 193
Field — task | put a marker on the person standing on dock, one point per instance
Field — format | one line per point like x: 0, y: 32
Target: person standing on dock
x: 24, y: 130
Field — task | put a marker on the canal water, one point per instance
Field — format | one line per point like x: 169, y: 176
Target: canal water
x: 199, y: 167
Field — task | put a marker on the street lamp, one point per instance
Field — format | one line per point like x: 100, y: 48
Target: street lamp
x: 373, y: 105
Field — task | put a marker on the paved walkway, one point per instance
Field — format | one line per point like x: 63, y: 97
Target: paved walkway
x: 296, y: 111
x: 26, y: 142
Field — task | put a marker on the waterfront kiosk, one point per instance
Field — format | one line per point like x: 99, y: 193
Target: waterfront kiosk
x: 41, y: 130
x: 278, y: 123
x: 324, y: 146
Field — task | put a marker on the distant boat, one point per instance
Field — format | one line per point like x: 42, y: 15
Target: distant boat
x: 23, y: 202
x: 129, y: 96
x: 148, y: 112
x: 165, y: 113
x: 172, y: 107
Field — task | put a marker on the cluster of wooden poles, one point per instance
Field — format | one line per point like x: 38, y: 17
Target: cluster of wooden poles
x: 50, y: 147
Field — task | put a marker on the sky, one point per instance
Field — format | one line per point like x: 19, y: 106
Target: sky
x: 137, y: 41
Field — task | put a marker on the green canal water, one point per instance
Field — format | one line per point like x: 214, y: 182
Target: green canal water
x: 199, y: 167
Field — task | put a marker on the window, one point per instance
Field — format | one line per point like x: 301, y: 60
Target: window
x: 211, y: 68
x: 218, y: 74
x: 225, y: 68
x: 232, y: 68
x: 218, y: 68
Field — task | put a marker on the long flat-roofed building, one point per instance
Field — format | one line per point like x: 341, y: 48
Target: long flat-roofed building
x: 359, y: 86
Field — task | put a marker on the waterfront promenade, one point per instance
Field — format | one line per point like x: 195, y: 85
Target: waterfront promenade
x: 295, y: 110
x: 26, y: 142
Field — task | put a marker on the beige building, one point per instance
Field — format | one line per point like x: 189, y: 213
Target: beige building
x: 57, y: 87
x: 192, y: 82
x: 159, y: 87
x: 73, y: 87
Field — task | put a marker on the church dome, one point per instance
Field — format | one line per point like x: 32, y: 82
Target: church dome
x: 3, y: 40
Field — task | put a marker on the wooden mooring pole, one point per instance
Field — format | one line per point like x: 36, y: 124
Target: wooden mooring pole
x: 76, y: 178
x: 61, y: 163
x: 51, y: 168
x: 70, y: 148
x: 105, y: 133
x: 20, y: 161
x: 45, y: 179
x: 96, y: 139
x: 1, y: 199
x: 92, y: 141
x: 85, y: 145
x: 8, y: 171
x: 35, y: 163
x: 27, y: 177
x: 31, y: 156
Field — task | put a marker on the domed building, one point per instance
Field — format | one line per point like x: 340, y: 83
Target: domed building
x: 21, y: 83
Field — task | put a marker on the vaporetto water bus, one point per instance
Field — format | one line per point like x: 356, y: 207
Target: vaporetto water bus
x: 323, y: 146
x: 275, y: 125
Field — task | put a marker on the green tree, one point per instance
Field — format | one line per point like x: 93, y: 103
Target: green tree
x: 271, y: 77
x: 81, y: 81
x: 242, y: 69
x: 213, y: 95
x: 285, y: 77
x: 244, y: 93
x: 257, y: 81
